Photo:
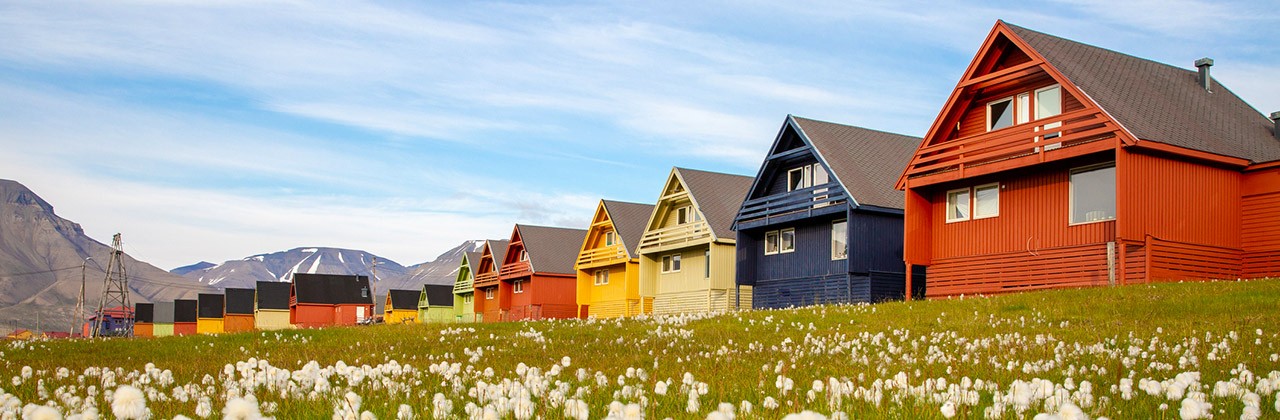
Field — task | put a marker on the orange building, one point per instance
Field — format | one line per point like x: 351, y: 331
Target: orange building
x: 319, y: 300
x: 487, y: 306
x: 537, y: 279
x: 1060, y: 164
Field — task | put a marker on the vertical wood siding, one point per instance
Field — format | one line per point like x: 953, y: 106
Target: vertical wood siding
x: 974, y: 119
x: 1034, y: 215
x: 209, y: 326
x: 1177, y: 200
x: 143, y: 330
x: 237, y: 323
x: 271, y: 319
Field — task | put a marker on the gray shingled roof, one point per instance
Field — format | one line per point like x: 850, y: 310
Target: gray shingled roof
x: 866, y: 162
x: 498, y: 248
x: 719, y: 196
x: 552, y: 249
x: 629, y: 219
x: 1159, y: 102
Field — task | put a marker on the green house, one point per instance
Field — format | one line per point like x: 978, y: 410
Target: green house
x: 463, y: 289
x: 435, y: 303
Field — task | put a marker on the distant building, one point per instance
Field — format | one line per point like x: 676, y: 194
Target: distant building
x: 238, y: 315
x: 271, y: 305
x: 318, y: 300
x: 401, y: 306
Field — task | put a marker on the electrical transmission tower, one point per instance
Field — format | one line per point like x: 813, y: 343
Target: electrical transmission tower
x: 115, y: 289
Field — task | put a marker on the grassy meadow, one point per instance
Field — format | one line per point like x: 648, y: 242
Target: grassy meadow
x: 1189, y: 350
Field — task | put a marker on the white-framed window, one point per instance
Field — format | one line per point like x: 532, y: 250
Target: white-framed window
x: 771, y: 242
x: 364, y: 292
x: 1000, y: 113
x: 706, y: 263
x: 610, y: 238
x: 986, y: 201
x: 488, y: 294
x: 671, y: 263
x: 602, y: 277
x: 807, y: 176
x: 787, y: 240
x: 524, y: 255
x: 958, y: 205
x: 796, y: 178
x: 517, y: 286
x: 684, y: 215
x: 1093, y: 193
x: 1048, y: 104
x: 840, y: 240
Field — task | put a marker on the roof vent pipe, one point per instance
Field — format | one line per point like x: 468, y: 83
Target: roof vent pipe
x: 1275, y: 127
x: 1203, y: 64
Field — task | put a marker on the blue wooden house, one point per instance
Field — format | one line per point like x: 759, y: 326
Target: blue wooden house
x: 822, y: 222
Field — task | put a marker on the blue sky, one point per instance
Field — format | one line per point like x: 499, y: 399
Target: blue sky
x: 217, y: 130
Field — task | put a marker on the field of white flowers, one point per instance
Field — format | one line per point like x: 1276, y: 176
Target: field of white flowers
x: 1195, y: 350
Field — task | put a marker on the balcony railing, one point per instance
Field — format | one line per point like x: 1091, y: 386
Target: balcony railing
x: 675, y: 237
x: 602, y: 256
x: 1035, y: 137
x: 486, y: 279
x: 463, y: 286
x: 515, y: 269
x: 801, y: 200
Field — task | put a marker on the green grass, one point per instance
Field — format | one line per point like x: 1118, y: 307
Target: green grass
x: 1098, y: 335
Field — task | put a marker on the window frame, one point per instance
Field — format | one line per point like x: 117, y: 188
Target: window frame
x: 783, y: 232
x: 684, y: 215
x: 1013, y: 110
x: 968, y: 214
x: 706, y: 266
x: 601, y: 280
x: 488, y: 293
x: 670, y: 263
x: 517, y: 286
x: 610, y: 238
x: 1071, y: 193
x: 776, y: 243
x: 524, y: 255
x: 845, y: 239
x: 468, y: 298
x: 973, y: 196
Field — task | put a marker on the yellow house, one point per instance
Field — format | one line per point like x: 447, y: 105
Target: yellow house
x: 401, y: 307
x: 687, y: 254
x: 271, y: 306
x: 210, y: 309
x: 608, y: 266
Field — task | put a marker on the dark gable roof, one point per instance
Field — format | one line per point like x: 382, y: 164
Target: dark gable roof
x: 629, y: 219
x: 164, y: 312
x: 332, y: 289
x: 185, y: 310
x: 1159, y: 102
x: 552, y: 249
x: 211, y: 305
x: 498, y: 248
x: 437, y: 295
x: 239, y: 301
x: 719, y: 196
x: 273, y: 294
x: 866, y: 162
x: 144, y: 313
x: 404, y: 299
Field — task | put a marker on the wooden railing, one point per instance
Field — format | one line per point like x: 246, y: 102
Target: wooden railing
x: 1035, y: 137
x: 515, y: 269
x: 601, y: 256
x: 486, y: 279
x: 678, y: 235
x: 801, y: 200
x: 463, y: 286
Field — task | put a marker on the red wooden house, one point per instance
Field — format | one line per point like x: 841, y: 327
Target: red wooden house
x: 1060, y: 164
x: 318, y: 300
x: 537, y: 279
x: 487, y: 306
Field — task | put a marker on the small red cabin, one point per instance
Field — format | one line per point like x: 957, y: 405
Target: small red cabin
x: 1060, y: 164
x: 318, y: 300
x: 537, y: 279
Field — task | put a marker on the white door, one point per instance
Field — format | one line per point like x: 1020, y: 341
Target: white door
x: 359, y: 313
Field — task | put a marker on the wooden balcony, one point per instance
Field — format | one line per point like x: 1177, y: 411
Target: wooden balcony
x: 514, y: 270
x: 818, y: 199
x: 1028, y: 143
x: 674, y: 237
x: 486, y: 279
x: 463, y: 287
x: 612, y: 254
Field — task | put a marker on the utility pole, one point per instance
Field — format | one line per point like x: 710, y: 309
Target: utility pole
x: 78, y: 316
x: 115, y: 288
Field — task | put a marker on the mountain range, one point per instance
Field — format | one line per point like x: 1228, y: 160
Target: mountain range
x: 42, y: 257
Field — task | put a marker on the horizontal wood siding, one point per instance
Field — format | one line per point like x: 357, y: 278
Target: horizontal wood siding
x: 1071, y: 266
x: 1174, y: 261
x: 269, y: 319
x: 1134, y: 262
x: 1260, y: 227
x: 887, y: 286
x: 1034, y: 215
x: 1177, y: 200
x: 830, y: 289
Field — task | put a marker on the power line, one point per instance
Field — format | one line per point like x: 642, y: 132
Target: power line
x: 54, y: 270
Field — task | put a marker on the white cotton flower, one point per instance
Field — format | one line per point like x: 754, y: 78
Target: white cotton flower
x: 770, y: 403
x: 181, y: 417
x: 745, y: 407
x: 660, y: 388
x: 948, y: 409
x: 26, y: 372
x: 204, y: 408
x: 1250, y: 413
x: 367, y: 415
x: 566, y: 361
x: 241, y: 409
x: 1194, y: 409
x: 805, y: 415
x: 43, y: 412
x: 128, y: 403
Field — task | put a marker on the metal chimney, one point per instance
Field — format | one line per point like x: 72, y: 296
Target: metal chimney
x: 1203, y: 64
x: 1275, y: 127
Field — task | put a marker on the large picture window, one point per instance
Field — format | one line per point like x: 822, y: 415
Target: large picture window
x: 840, y: 240
x: 1093, y: 193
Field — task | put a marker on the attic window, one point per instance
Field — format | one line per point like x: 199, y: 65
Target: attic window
x: 806, y: 176
x: 609, y: 238
x: 524, y: 255
x: 684, y: 215
x: 1000, y: 114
